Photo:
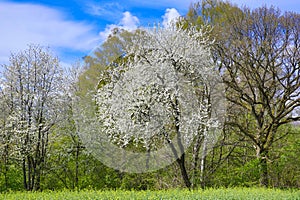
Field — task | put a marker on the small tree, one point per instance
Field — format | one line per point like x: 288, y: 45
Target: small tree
x: 154, y: 99
x: 32, y: 92
x: 5, y: 139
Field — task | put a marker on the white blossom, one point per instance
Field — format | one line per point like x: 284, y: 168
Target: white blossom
x: 154, y: 98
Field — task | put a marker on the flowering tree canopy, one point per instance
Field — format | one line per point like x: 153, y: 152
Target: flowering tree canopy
x: 31, y: 93
x: 154, y: 94
x: 154, y: 100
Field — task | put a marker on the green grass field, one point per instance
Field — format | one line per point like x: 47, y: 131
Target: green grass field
x: 234, y: 193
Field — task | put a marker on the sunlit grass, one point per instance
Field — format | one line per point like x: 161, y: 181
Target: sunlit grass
x: 233, y: 193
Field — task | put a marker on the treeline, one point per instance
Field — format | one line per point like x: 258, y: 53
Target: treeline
x: 257, y: 54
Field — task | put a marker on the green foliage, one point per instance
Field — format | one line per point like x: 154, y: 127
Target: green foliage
x: 236, y: 174
x: 15, y: 179
x: 284, y: 166
x: 247, y: 175
x: 138, y: 182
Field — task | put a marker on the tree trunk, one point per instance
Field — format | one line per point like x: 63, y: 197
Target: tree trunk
x: 24, y: 174
x: 30, y: 172
x: 6, y: 167
x: 262, y: 155
x: 195, y: 164
x: 203, y: 161
x: 180, y: 159
x: 37, y: 177
x: 77, y: 166
x: 181, y: 163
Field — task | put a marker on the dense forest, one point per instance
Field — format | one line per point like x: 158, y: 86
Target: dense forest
x: 155, y: 87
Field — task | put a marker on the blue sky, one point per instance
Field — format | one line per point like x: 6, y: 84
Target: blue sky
x: 72, y: 28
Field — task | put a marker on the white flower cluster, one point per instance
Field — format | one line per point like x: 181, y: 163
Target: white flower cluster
x: 154, y: 97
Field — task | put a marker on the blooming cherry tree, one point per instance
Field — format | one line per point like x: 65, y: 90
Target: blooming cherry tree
x: 32, y: 95
x: 154, y: 100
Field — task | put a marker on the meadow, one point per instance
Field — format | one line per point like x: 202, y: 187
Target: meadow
x: 207, y: 194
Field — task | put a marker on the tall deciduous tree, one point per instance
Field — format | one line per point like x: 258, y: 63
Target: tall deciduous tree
x: 32, y: 92
x: 258, y: 52
x: 261, y: 69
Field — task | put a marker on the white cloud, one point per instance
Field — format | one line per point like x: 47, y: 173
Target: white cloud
x: 23, y: 24
x: 181, y: 5
x: 170, y: 16
x: 109, y: 11
x: 128, y: 22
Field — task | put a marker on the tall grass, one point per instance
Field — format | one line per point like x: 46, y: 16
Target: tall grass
x: 207, y: 194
